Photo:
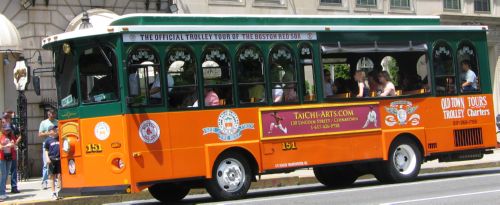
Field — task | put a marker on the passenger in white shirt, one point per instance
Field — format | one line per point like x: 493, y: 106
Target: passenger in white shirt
x: 469, y: 78
x: 155, y: 88
x: 327, y: 83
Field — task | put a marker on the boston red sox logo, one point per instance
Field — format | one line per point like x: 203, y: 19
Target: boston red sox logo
x: 149, y: 131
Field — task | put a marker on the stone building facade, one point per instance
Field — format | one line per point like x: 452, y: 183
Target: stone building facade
x: 48, y: 17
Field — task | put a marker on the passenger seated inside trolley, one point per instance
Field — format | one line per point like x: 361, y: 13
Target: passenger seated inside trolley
x: 468, y: 77
x: 364, y: 70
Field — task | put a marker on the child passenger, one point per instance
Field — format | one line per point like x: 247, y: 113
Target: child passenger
x: 53, y: 159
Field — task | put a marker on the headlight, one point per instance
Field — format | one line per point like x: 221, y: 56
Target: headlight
x: 66, y: 145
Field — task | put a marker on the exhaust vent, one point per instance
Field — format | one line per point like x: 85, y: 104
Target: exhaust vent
x: 468, y: 137
x: 432, y: 146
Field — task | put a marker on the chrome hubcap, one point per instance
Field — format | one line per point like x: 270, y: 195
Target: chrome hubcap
x: 230, y: 175
x: 404, y: 159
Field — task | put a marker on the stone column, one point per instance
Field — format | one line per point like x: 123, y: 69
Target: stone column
x: 495, y: 63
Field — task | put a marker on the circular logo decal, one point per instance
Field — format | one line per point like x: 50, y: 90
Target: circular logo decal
x: 310, y: 36
x: 133, y: 37
x: 71, y: 166
x: 149, y: 131
x: 102, y: 130
x: 228, y: 124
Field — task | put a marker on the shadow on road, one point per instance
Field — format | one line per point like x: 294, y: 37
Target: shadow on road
x: 195, y: 199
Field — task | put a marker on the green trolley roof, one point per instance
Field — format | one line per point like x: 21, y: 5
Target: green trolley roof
x: 172, y: 23
x: 169, y: 19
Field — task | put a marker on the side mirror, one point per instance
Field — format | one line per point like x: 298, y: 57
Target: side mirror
x: 36, y: 84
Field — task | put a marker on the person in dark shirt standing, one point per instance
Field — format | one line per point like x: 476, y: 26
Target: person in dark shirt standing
x: 51, y: 147
x: 43, y: 132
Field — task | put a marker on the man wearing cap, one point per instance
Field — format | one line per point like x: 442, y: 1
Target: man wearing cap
x: 8, y: 142
x: 7, y: 119
x: 43, y: 132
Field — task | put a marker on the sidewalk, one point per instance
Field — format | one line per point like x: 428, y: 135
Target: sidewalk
x: 31, y: 192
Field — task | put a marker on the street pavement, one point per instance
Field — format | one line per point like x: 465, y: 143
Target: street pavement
x: 478, y: 186
x: 31, y: 192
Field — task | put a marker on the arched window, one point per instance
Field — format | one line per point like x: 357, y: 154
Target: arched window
x: 468, y: 66
x: 217, y: 76
x: 181, y: 78
x: 365, y: 64
x: 423, y: 72
x: 283, y: 75
x: 307, y: 65
x: 390, y: 65
x: 444, y: 73
x: 98, y: 75
x: 144, y: 81
x: 250, y: 69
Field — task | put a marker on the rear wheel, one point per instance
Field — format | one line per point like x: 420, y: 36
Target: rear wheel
x: 336, y: 176
x: 168, y: 192
x: 404, y: 162
x: 231, y: 177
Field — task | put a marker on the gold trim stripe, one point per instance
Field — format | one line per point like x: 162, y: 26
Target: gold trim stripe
x: 232, y: 143
x: 323, y: 105
x: 321, y: 134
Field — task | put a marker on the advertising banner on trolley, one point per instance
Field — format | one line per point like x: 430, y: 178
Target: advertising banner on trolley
x: 316, y: 121
x: 247, y: 36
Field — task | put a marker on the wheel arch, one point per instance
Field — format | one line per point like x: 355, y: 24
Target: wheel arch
x: 252, y: 161
x: 412, y: 137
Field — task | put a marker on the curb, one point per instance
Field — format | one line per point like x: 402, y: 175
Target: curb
x: 265, y: 183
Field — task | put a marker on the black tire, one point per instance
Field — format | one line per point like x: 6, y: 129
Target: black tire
x: 336, y: 176
x: 234, y: 182
x: 168, y: 192
x: 404, y: 162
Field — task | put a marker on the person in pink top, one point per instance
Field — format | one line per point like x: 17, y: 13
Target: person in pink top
x: 211, y: 98
x: 388, y: 88
x: 8, y: 143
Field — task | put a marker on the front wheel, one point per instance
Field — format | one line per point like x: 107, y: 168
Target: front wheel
x: 404, y: 162
x: 231, y: 177
x: 168, y: 192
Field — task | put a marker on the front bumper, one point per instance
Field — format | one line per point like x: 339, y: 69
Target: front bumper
x: 100, y: 190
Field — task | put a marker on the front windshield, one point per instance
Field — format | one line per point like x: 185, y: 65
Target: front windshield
x: 98, y: 75
x: 66, y: 80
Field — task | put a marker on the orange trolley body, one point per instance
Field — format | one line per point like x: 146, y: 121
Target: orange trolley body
x: 146, y: 149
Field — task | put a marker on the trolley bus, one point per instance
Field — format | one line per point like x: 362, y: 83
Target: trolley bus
x: 174, y: 102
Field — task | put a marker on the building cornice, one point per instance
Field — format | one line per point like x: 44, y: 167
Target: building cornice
x: 469, y: 19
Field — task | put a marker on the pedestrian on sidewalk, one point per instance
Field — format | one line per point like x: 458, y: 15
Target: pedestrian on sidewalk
x: 7, y: 119
x: 7, y: 155
x: 43, y: 132
x: 498, y: 122
x: 53, y: 159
